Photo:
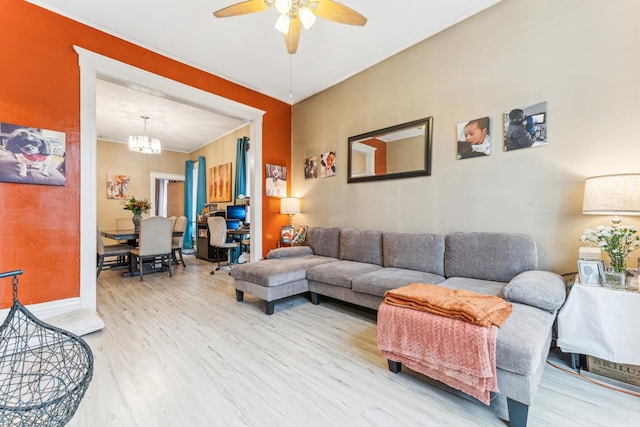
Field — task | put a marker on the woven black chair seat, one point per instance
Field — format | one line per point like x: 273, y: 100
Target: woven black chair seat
x: 44, y: 371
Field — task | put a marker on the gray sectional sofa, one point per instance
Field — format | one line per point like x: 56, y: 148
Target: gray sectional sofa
x: 358, y: 266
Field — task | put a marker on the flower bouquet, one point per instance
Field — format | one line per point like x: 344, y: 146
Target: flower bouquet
x: 137, y: 206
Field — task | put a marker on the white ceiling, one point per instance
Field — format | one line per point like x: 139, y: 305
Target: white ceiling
x: 247, y: 50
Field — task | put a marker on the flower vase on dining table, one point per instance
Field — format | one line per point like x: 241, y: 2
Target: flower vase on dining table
x: 137, y: 217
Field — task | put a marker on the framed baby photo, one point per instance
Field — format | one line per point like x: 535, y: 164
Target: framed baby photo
x: 591, y: 272
x: 32, y: 155
x: 474, y: 138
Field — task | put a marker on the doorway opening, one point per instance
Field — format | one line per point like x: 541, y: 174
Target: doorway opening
x: 94, y: 66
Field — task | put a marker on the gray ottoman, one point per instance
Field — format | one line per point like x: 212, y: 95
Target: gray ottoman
x: 274, y: 279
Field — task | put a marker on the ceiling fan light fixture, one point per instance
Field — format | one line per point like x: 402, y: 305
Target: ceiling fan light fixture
x: 282, y: 24
x: 307, y: 18
x: 283, y: 6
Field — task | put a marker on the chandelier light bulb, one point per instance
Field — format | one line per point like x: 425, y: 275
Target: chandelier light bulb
x: 307, y: 18
x: 283, y: 6
x: 282, y: 24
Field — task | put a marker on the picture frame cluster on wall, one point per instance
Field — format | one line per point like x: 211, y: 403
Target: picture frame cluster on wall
x: 523, y: 127
x: 326, y: 166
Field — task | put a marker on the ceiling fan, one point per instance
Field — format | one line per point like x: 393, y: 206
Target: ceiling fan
x: 296, y: 12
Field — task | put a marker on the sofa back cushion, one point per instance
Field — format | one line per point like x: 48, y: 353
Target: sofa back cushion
x: 412, y: 251
x: 489, y: 256
x: 361, y: 246
x: 324, y: 241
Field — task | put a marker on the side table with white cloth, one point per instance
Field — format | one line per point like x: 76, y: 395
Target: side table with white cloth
x: 600, y: 322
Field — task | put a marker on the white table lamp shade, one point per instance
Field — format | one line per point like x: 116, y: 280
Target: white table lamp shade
x: 612, y: 195
x: 289, y: 205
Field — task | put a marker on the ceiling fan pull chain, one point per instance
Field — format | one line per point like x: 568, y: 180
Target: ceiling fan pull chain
x: 290, y: 75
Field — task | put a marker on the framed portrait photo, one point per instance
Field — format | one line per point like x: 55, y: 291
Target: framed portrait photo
x: 591, y: 272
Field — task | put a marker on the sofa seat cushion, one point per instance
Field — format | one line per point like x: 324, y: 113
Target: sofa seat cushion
x: 486, y: 287
x: 522, y: 339
x: 276, y: 272
x: 340, y: 273
x: 379, y: 281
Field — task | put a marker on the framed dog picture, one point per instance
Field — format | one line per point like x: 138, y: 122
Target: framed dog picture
x: 32, y: 155
x: 275, y: 181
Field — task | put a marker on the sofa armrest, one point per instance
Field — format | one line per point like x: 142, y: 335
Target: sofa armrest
x: 289, y: 252
x: 541, y: 289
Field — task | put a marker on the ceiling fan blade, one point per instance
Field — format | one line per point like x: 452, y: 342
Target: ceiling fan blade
x: 336, y: 12
x: 243, y: 8
x: 292, y: 38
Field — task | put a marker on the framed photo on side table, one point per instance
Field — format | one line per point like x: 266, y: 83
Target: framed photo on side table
x: 301, y: 235
x: 286, y: 235
x: 591, y: 272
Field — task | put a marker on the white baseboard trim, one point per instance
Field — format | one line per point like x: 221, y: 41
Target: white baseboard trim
x: 66, y: 314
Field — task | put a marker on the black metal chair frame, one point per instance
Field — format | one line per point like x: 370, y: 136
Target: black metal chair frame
x: 44, y: 371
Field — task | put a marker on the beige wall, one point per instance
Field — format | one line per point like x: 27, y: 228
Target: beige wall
x: 219, y: 152
x: 578, y: 55
x: 114, y: 158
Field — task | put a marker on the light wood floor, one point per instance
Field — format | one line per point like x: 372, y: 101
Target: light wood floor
x: 183, y: 352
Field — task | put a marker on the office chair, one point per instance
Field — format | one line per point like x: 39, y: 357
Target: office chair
x: 218, y: 239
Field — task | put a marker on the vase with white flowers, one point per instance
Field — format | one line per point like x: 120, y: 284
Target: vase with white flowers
x: 618, y: 242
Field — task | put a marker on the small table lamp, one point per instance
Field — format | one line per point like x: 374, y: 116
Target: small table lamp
x: 612, y: 195
x: 290, y: 206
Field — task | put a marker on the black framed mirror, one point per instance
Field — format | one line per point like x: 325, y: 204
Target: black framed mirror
x: 399, y: 151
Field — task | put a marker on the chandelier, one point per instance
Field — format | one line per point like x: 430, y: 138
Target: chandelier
x: 144, y: 144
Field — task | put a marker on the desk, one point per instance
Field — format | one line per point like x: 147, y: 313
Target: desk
x: 601, y: 322
x: 239, y: 234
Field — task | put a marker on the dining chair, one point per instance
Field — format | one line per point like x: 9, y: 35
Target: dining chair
x: 125, y: 223
x: 111, y: 256
x: 218, y: 239
x: 178, y: 242
x: 154, y: 245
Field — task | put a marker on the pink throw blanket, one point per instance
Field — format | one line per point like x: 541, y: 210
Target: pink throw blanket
x: 457, y: 353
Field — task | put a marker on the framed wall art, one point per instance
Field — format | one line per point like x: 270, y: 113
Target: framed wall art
x: 311, y: 167
x: 118, y: 187
x: 525, y: 127
x: 220, y: 183
x: 474, y: 138
x: 32, y: 155
x: 328, y: 164
x: 275, y: 181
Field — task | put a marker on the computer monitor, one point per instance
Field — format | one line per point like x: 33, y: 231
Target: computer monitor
x: 237, y: 212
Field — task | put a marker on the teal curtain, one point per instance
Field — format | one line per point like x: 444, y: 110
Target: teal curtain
x: 201, y: 195
x: 241, y: 168
x: 240, y: 186
x: 188, y: 203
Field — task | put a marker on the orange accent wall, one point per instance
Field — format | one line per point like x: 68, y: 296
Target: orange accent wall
x: 381, y: 154
x: 40, y: 86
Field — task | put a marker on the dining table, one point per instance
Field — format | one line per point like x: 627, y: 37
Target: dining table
x: 131, y: 236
